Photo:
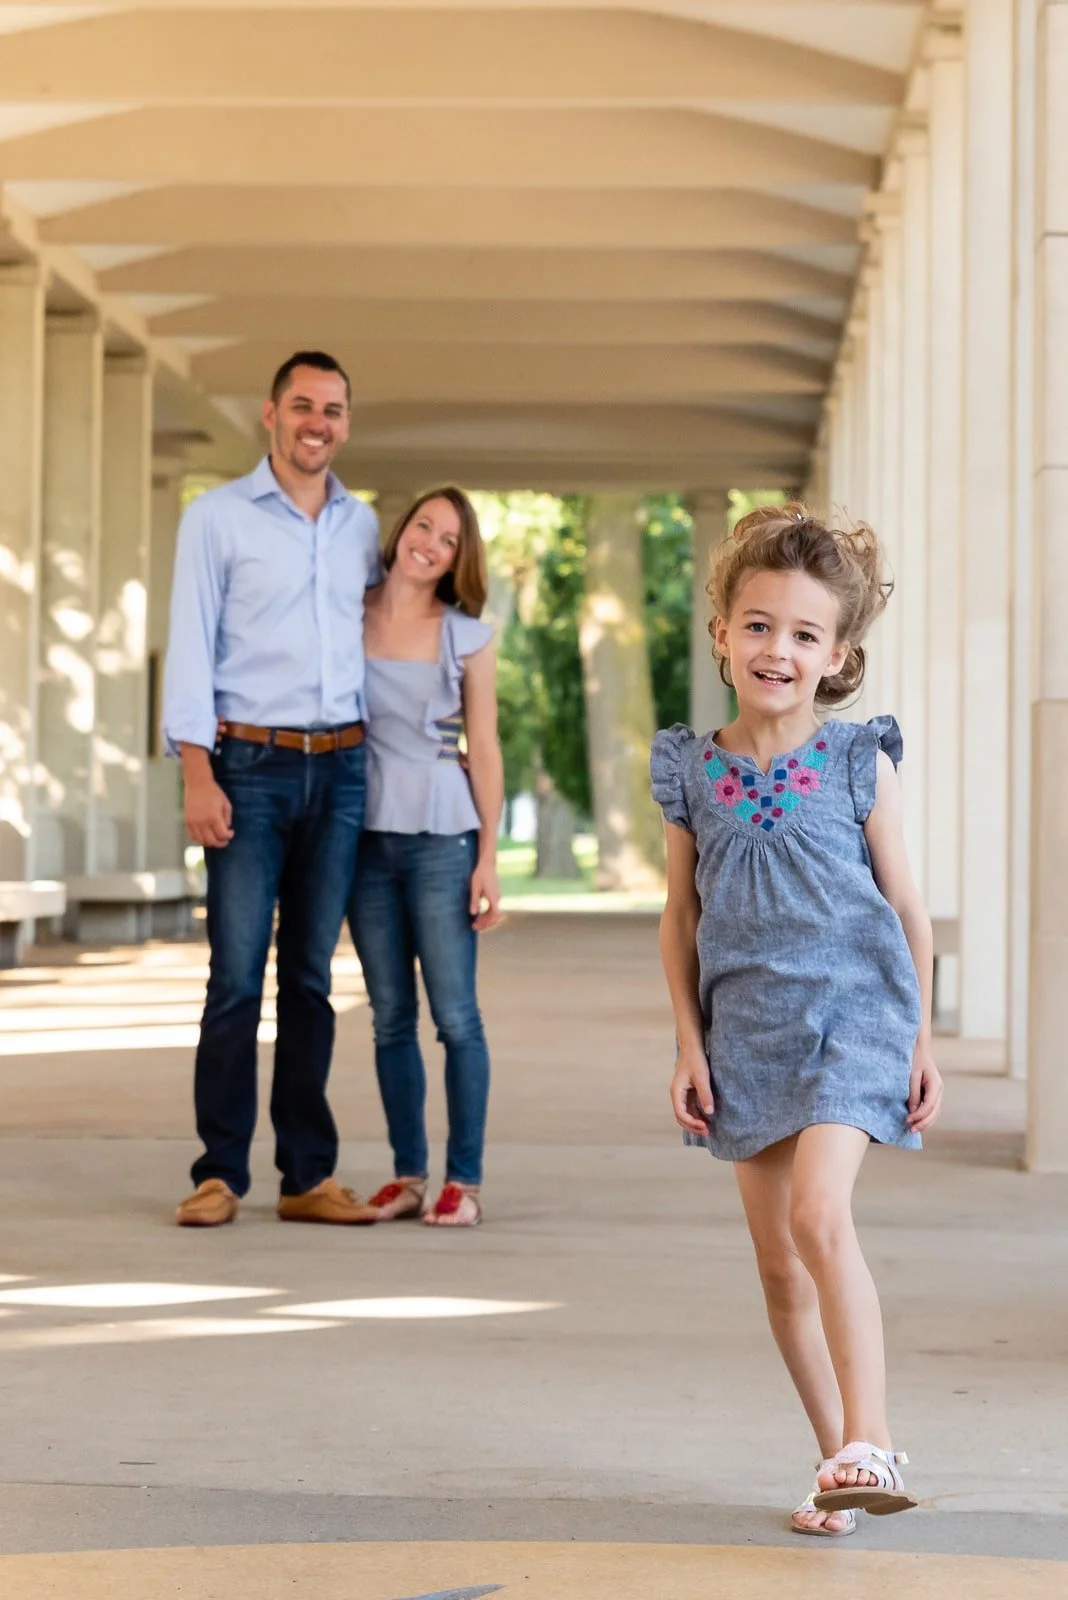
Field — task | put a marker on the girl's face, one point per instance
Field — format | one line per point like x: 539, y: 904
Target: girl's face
x: 780, y: 639
x: 427, y: 548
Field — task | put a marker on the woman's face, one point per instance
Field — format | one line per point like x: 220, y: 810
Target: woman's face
x: 427, y: 548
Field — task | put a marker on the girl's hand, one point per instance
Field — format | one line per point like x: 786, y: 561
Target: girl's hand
x: 485, y: 886
x: 691, y: 1093
x: 925, y: 1090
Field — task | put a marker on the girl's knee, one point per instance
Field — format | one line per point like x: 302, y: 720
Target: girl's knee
x: 820, y: 1225
x: 784, y: 1278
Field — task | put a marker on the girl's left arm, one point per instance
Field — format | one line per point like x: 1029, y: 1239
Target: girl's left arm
x: 485, y: 768
x: 885, y: 834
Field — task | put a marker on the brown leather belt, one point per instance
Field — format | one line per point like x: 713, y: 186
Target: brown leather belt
x: 318, y: 743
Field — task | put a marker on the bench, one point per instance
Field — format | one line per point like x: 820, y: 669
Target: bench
x: 130, y: 907
x: 21, y: 904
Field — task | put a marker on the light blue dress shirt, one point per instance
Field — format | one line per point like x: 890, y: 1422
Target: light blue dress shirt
x: 267, y: 611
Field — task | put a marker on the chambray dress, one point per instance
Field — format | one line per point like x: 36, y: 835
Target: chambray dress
x: 808, y: 989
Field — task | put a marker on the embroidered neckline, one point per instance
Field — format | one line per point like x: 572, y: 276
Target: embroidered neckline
x: 764, y: 799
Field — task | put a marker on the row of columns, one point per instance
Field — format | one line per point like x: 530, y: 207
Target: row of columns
x: 946, y: 426
x: 86, y: 549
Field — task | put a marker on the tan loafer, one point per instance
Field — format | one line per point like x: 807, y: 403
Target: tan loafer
x: 212, y: 1203
x: 327, y: 1202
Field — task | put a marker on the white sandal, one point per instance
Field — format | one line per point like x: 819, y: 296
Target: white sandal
x: 881, y: 1498
x: 809, y: 1504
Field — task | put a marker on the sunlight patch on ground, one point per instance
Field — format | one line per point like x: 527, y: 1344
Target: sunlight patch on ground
x: 414, y: 1308
x: 106, y: 1296
x: 153, y: 1331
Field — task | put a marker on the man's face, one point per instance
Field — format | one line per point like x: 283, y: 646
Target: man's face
x: 310, y: 421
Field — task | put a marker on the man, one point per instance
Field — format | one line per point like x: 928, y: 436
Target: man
x: 262, y: 702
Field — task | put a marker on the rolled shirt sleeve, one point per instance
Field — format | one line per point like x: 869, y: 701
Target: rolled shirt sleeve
x: 189, y: 715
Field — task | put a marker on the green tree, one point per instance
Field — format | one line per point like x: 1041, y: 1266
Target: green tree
x: 667, y: 559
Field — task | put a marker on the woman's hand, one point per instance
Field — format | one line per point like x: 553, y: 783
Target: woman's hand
x: 485, y: 886
x: 691, y: 1092
x: 925, y: 1089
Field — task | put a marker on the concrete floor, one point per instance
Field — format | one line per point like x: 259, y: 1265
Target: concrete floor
x: 614, y: 1422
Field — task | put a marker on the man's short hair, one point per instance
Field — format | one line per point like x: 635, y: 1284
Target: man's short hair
x: 307, y: 358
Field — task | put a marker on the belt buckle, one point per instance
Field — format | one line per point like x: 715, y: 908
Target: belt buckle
x: 307, y: 744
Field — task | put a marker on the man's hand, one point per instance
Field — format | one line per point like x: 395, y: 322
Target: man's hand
x: 208, y: 813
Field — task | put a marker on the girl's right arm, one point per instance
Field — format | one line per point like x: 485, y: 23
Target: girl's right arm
x: 691, y: 1087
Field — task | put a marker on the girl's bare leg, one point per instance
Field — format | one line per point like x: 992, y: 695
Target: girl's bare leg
x: 793, y: 1306
x: 827, y: 1159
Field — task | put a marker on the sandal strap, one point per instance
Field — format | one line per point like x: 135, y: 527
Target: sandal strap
x: 881, y: 1464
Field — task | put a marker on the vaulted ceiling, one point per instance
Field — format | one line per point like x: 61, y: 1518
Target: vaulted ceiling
x: 556, y: 245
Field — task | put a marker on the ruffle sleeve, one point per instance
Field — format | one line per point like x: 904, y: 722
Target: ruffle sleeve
x: 881, y: 733
x: 665, y: 767
x: 461, y: 636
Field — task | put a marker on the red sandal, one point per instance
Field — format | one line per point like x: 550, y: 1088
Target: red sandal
x: 401, y: 1200
x: 457, y: 1206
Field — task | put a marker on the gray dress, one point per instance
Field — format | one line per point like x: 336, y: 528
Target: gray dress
x: 808, y: 989
x: 415, y: 783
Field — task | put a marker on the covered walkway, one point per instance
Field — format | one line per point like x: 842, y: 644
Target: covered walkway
x: 559, y: 1396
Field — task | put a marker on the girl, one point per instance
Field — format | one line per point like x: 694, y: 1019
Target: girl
x: 426, y: 877
x: 799, y: 959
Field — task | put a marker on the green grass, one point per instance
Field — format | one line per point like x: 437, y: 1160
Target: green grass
x: 515, y: 865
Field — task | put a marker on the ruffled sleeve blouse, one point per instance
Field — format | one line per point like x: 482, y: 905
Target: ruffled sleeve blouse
x: 415, y: 783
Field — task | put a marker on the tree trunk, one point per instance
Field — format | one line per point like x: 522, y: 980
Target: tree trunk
x: 619, y: 698
x: 556, y: 831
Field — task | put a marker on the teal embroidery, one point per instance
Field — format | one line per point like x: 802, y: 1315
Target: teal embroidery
x: 765, y: 798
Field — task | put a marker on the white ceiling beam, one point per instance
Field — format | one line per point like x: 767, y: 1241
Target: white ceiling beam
x: 536, y: 218
x: 517, y: 149
x: 572, y: 57
x: 606, y: 275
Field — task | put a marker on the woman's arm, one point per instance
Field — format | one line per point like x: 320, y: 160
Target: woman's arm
x: 485, y: 768
x: 691, y: 1087
x: 884, y: 832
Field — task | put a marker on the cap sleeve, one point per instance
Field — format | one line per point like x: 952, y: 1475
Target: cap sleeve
x: 881, y: 733
x: 461, y: 636
x: 665, y: 766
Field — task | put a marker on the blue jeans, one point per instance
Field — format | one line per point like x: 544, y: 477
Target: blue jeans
x: 412, y: 899
x: 296, y: 822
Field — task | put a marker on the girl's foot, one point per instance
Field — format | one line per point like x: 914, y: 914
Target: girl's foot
x: 823, y: 1524
x: 403, y: 1198
x: 457, y: 1206
x: 863, y: 1477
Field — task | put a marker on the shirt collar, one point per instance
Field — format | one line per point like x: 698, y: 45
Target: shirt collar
x: 264, y: 484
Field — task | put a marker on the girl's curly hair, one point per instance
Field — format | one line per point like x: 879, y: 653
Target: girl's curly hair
x: 847, y: 561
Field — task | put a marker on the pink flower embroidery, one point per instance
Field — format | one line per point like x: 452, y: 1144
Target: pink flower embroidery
x: 728, y: 791
x: 804, y: 781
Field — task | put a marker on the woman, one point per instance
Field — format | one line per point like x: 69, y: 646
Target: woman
x: 426, y: 881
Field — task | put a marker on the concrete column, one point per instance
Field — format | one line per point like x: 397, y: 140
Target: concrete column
x: 709, y: 696
x: 22, y: 321
x: 390, y: 506
x: 122, y: 698
x: 165, y: 828
x: 1048, y: 1081
x: 619, y: 696
x: 910, y: 601
x: 987, y: 501
x: 887, y: 439
x: 74, y: 379
x: 944, y: 775
x: 1023, y: 646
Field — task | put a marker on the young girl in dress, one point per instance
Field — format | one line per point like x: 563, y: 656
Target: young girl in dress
x: 798, y: 955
